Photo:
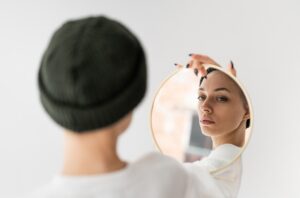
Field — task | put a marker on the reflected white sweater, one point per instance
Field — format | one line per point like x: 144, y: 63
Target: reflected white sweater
x: 155, y: 176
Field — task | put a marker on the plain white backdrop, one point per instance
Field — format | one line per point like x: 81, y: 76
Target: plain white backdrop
x: 261, y: 37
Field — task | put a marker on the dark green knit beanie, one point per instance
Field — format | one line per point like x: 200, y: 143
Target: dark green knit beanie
x: 92, y: 74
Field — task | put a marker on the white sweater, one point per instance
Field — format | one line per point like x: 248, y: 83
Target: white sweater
x: 155, y: 176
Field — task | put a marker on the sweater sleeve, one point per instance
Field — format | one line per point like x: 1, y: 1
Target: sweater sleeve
x: 222, y: 183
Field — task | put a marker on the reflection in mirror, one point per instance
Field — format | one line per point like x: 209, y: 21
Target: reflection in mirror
x: 193, y: 115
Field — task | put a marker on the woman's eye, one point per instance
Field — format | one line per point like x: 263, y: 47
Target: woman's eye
x: 222, y: 99
x: 201, y: 98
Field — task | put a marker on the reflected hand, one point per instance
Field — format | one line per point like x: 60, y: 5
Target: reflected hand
x: 197, y: 60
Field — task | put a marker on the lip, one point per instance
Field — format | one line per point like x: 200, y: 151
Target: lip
x: 206, y: 121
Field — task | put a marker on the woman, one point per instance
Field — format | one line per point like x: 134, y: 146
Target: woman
x: 223, y: 108
x: 224, y: 116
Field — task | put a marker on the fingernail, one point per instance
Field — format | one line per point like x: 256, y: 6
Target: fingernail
x: 187, y: 66
x: 190, y: 54
x: 231, y: 64
x: 196, y: 72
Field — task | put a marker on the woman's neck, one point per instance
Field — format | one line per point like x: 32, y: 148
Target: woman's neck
x: 236, y: 137
x: 91, y: 153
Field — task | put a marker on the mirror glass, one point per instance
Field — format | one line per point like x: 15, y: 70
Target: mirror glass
x: 192, y: 115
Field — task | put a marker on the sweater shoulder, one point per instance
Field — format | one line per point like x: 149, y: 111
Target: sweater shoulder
x: 160, y: 166
x: 159, y: 161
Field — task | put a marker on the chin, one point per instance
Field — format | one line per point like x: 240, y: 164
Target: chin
x: 208, y: 131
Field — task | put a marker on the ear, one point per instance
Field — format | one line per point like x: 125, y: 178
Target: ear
x: 247, y: 113
x: 246, y: 116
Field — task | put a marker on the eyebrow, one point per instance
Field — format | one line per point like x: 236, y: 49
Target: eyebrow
x: 218, y: 89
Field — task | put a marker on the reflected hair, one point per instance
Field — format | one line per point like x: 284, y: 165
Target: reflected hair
x: 209, y: 70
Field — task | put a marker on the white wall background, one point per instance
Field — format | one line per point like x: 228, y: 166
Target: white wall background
x: 261, y: 37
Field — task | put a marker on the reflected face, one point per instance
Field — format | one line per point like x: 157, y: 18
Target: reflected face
x: 221, y: 107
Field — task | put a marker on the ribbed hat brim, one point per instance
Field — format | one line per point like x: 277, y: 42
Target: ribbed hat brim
x: 80, y: 119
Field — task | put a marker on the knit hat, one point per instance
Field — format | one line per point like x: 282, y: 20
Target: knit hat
x: 92, y: 74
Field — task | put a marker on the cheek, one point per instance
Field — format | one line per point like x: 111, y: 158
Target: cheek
x: 231, y: 117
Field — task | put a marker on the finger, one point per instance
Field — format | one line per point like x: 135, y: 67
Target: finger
x: 231, y: 69
x: 178, y: 65
x: 189, y: 64
x: 202, y: 71
x: 203, y: 59
x: 200, y: 67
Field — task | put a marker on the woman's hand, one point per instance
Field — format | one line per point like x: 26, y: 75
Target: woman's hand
x: 197, y: 60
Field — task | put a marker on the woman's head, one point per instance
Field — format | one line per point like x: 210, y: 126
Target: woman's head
x: 222, y: 107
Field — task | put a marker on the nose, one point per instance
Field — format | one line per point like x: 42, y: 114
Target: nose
x: 205, y: 107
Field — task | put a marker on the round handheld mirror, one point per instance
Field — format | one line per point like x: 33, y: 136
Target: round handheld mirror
x: 193, y: 117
